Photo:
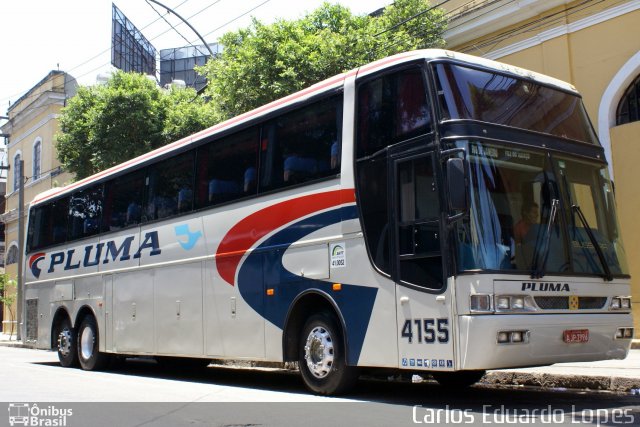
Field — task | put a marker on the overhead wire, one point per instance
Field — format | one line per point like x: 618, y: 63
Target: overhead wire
x: 94, y: 57
x: 174, y: 28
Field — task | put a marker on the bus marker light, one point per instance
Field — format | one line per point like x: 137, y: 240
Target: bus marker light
x: 337, y: 286
x: 270, y: 292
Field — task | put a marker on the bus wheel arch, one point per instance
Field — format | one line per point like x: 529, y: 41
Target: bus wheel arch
x: 306, y: 304
x: 315, y: 337
x: 64, y: 338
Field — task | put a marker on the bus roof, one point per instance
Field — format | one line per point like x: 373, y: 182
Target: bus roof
x: 318, y: 88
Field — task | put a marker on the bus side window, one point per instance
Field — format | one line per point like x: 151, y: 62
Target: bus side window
x: 170, y: 187
x: 85, y: 213
x: 302, y: 145
x: 391, y: 109
x: 227, y: 168
x: 123, y: 201
x: 50, y: 222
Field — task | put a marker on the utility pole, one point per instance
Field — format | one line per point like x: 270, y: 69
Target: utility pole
x: 21, y: 247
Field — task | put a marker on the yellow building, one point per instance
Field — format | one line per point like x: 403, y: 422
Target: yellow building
x: 32, y: 125
x: 595, y: 46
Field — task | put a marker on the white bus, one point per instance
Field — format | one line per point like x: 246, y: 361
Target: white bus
x: 431, y: 212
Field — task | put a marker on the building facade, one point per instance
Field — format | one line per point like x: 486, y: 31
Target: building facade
x: 593, y: 45
x: 32, y: 126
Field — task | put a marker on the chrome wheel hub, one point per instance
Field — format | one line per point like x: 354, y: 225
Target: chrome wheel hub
x: 87, y: 340
x: 64, y: 342
x: 318, y: 352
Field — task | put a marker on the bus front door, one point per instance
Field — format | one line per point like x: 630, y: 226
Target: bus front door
x: 424, y: 301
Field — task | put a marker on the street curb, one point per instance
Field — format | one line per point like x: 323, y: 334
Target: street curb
x: 16, y: 344
x: 557, y: 381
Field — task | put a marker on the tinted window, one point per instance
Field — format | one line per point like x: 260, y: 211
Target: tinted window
x: 373, y: 202
x: 85, y: 213
x: 123, y: 201
x: 479, y: 95
x: 391, y: 108
x: 48, y: 224
x: 170, y: 187
x: 227, y: 168
x: 302, y: 145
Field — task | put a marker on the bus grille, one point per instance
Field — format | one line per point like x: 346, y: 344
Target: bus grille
x: 562, y: 303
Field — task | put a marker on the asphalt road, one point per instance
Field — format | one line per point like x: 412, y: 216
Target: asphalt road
x: 141, y: 393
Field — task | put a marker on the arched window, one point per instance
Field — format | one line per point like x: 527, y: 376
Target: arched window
x: 629, y: 106
x: 16, y: 171
x: 12, y: 255
x: 37, y: 159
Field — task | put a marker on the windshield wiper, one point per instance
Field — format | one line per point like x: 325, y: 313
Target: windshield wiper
x: 605, y: 265
x: 538, y: 273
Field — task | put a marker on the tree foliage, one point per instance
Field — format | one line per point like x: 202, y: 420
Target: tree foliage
x: 107, y: 124
x: 7, y: 298
x: 104, y: 125
x: 262, y: 63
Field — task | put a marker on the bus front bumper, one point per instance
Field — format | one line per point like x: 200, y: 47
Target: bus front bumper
x: 543, y: 339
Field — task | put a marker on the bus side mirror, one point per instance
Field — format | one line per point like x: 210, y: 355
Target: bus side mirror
x: 457, y: 184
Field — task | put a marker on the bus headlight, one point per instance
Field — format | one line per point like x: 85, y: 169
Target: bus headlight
x: 506, y: 303
x: 620, y: 303
x: 480, y: 303
x: 517, y: 303
x: 503, y: 303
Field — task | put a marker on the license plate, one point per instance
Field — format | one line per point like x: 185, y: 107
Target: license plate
x: 576, y: 335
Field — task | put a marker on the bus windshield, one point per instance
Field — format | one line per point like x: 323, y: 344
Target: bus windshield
x: 514, y: 225
x: 472, y: 94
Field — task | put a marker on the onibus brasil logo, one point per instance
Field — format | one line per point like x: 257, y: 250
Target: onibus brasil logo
x: 27, y: 414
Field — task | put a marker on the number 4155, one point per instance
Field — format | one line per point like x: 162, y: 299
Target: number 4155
x: 426, y: 330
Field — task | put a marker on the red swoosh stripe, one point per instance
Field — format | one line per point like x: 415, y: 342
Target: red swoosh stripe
x: 34, y: 257
x: 242, y: 236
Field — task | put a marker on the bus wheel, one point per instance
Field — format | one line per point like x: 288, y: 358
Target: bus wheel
x: 457, y: 380
x: 322, y: 358
x: 88, y: 355
x: 67, y: 348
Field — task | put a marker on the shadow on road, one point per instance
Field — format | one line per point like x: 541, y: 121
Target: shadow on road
x: 480, y: 398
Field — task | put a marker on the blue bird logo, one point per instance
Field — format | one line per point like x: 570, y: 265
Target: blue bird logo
x: 192, y: 237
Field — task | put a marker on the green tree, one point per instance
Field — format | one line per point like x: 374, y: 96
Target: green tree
x: 262, y: 63
x: 8, y: 297
x: 104, y: 125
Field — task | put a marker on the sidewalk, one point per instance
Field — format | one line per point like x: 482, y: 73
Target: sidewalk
x: 612, y: 375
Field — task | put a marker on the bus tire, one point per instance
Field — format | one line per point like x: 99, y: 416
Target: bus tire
x: 322, y: 358
x: 88, y: 343
x: 457, y: 380
x: 66, y: 343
